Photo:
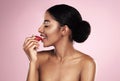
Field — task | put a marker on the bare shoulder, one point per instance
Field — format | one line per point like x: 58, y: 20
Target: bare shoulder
x: 87, y: 60
x: 88, y: 67
x: 43, y: 56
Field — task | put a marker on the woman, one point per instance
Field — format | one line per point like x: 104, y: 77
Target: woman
x: 62, y: 25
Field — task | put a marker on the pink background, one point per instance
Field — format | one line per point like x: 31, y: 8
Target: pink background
x: 21, y: 18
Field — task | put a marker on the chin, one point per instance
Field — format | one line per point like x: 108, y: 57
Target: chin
x: 47, y: 45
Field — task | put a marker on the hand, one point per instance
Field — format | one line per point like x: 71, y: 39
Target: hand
x: 30, y: 47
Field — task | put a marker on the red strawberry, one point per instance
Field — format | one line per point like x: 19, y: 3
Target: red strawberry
x: 38, y: 38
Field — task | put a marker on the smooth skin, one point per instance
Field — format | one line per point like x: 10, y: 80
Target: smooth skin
x: 63, y: 63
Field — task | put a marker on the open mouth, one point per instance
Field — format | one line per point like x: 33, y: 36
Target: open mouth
x: 43, y: 36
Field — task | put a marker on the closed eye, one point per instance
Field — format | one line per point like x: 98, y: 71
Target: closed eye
x: 46, y: 26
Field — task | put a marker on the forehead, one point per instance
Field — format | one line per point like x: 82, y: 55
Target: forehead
x: 49, y: 18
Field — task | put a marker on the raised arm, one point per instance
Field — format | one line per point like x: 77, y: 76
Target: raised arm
x: 88, y: 71
x: 30, y: 46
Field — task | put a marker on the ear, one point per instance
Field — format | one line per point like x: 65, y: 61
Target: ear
x: 65, y: 30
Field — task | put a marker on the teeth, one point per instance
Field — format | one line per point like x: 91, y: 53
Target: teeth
x: 43, y: 36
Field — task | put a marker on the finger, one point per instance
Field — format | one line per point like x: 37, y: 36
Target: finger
x: 28, y: 38
x: 30, y: 41
x: 35, y: 46
x: 31, y: 45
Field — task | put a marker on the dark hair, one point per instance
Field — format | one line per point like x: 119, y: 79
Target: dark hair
x: 67, y: 15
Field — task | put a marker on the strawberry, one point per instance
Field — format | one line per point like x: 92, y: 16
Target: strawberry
x: 38, y: 38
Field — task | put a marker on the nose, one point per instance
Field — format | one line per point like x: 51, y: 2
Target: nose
x: 40, y: 29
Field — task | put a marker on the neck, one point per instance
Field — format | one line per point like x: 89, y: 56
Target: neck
x: 64, y: 49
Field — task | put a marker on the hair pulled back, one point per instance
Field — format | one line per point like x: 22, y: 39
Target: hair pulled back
x: 67, y: 15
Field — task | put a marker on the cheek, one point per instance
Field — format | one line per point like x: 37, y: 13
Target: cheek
x: 53, y: 31
x: 54, y: 34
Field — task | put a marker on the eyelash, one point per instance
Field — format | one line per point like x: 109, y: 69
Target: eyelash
x: 46, y: 26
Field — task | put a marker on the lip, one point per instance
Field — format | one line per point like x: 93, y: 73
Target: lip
x: 43, y: 36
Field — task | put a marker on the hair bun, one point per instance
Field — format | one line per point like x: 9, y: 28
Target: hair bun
x: 81, y: 33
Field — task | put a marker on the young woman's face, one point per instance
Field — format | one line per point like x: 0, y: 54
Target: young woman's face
x: 50, y: 31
